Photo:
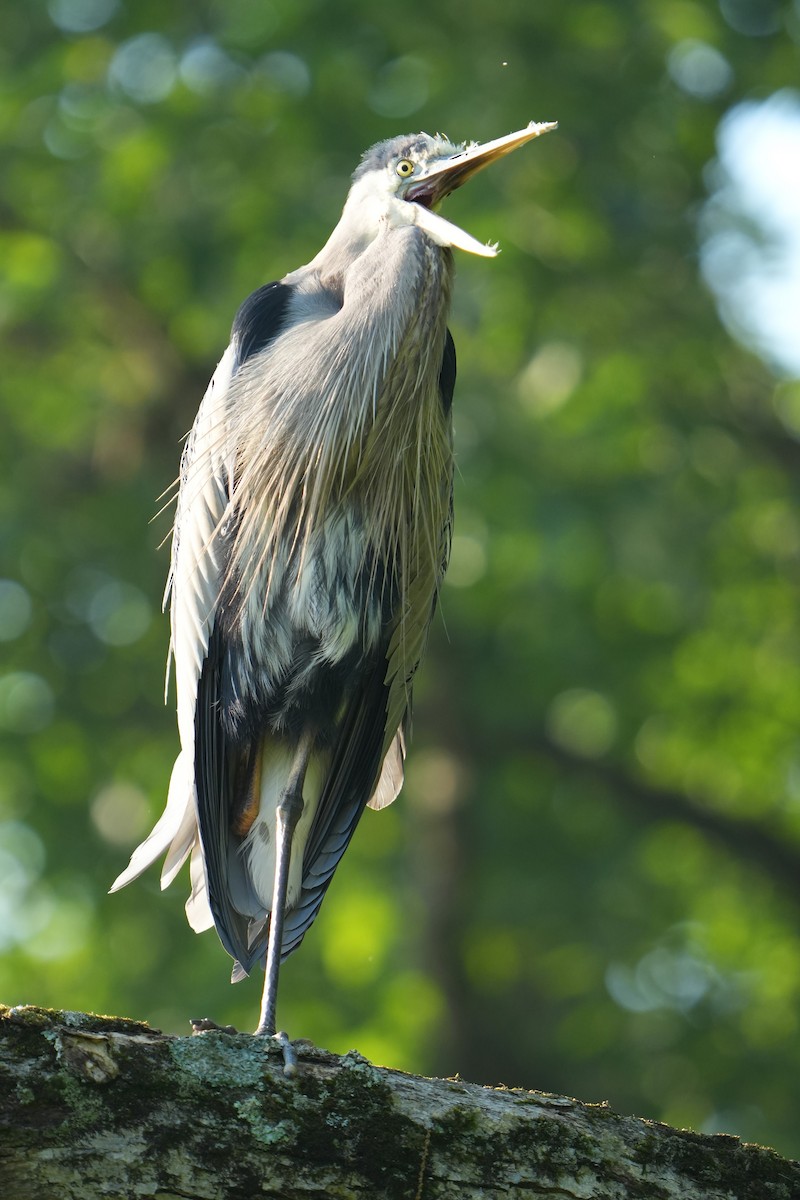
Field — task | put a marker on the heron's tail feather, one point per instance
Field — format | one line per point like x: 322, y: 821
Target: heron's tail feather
x: 392, y: 773
x: 176, y: 829
x: 198, y: 909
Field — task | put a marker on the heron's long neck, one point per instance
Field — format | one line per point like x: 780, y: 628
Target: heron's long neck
x: 358, y: 227
x: 358, y: 410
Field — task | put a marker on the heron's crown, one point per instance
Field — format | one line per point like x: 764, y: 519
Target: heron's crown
x: 419, y: 147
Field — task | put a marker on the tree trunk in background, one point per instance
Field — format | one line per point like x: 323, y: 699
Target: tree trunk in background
x: 97, y: 1107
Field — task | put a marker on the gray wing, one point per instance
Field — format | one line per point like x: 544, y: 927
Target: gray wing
x: 408, y: 641
x: 354, y: 769
x: 192, y: 589
x: 197, y: 567
x: 221, y: 889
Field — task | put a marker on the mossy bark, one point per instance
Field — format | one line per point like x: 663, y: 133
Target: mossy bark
x: 98, y: 1107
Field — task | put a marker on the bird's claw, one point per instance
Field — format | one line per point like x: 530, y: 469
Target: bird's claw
x: 205, y: 1025
x: 281, y: 1039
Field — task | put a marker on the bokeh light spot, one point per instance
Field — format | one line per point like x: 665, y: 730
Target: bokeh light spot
x: 144, y: 68
x: 205, y: 67
x: 120, y: 813
x: 699, y: 69
x: 582, y: 721
x: 286, y: 73
x: 467, y: 561
x: 119, y: 614
x: 81, y: 16
x: 15, y: 610
x: 550, y: 378
x: 401, y: 87
x: 26, y: 702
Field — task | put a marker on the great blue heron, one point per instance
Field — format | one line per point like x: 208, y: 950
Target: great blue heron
x: 311, y: 536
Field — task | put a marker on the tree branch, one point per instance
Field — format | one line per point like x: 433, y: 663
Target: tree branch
x: 97, y: 1107
x: 747, y: 840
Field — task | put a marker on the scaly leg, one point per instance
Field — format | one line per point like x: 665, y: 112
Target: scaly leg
x: 288, y: 813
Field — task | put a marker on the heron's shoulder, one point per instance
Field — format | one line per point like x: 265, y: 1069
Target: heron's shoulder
x: 260, y: 319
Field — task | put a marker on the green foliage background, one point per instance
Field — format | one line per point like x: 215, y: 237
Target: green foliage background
x: 590, y: 884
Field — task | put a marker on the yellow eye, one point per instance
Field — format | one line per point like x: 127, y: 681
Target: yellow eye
x: 405, y: 168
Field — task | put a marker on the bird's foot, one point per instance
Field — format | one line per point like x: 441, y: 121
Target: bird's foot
x: 205, y: 1024
x: 281, y: 1040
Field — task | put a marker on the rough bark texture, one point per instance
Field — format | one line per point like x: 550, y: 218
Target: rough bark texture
x: 99, y: 1107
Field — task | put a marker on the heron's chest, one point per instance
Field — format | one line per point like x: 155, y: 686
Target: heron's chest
x: 312, y: 601
x: 321, y: 595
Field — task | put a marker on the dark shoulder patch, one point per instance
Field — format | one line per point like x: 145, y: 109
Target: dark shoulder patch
x: 259, y: 320
x: 447, y: 375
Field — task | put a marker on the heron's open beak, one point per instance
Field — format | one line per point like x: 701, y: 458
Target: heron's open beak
x: 444, y: 176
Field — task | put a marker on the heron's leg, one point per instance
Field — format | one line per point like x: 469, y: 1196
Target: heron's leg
x: 288, y: 812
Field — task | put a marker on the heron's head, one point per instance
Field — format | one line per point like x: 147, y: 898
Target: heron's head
x: 402, y: 181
